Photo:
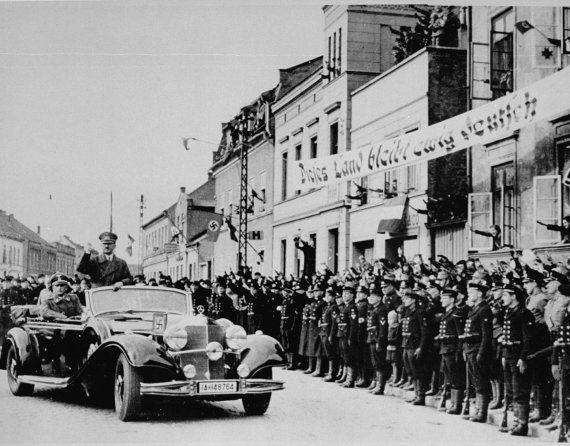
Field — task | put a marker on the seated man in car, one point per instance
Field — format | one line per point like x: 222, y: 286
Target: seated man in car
x: 60, y: 304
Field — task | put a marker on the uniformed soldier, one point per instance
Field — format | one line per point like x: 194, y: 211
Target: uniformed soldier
x: 561, y: 355
x: 477, y: 349
x: 450, y: 328
x: 304, y: 336
x: 349, y: 329
x: 377, y: 340
x: 516, y: 346
x: 106, y: 269
x: 327, y: 325
x: 415, y: 344
x: 8, y: 298
x: 315, y: 347
x: 497, y: 376
x: 287, y: 314
x: 61, y: 304
x: 363, y: 361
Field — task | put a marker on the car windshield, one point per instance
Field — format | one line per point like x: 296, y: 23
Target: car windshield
x: 139, y: 299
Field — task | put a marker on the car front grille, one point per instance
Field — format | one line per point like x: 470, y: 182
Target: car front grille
x: 198, y: 337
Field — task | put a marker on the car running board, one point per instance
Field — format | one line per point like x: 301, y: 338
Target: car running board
x: 44, y: 381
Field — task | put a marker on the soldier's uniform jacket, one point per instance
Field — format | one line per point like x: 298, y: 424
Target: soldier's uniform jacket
x: 562, y: 343
x: 414, y: 328
x: 104, y: 272
x: 315, y: 315
x: 287, y: 313
x: 54, y: 306
x: 450, y: 328
x: 350, y: 314
x: 306, y: 314
x: 361, y: 312
x: 554, y: 311
x: 377, y: 325
x: 478, y: 332
x: 326, y: 319
x: 517, y: 333
x: 336, y: 318
x: 392, y: 300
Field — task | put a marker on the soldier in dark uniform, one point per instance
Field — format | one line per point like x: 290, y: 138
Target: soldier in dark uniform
x: 391, y: 297
x: 326, y: 326
x: 377, y: 340
x: 304, y: 336
x: 561, y: 354
x: 26, y: 293
x: 337, y: 332
x: 497, y: 375
x: 314, y: 344
x: 349, y: 325
x: 451, y: 326
x: 477, y: 348
x: 287, y: 315
x: 271, y: 318
x: 222, y: 304
x: 415, y: 344
x: 363, y: 360
x: 299, y: 298
x: 106, y: 269
x: 516, y: 343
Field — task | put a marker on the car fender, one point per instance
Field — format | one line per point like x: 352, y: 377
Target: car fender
x: 262, y: 351
x: 99, y: 327
x: 139, y: 350
x: 27, y: 349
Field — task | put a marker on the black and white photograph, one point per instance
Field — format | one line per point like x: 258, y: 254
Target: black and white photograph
x: 284, y: 222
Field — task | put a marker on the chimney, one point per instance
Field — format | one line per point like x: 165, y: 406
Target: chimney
x: 38, y: 229
x: 182, y: 190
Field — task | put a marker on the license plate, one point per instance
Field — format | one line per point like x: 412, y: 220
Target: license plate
x: 218, y: 387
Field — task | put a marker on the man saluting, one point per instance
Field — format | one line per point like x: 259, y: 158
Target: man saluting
x: 105, y: 269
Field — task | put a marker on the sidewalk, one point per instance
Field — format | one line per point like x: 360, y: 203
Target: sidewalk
x: 495, y: 416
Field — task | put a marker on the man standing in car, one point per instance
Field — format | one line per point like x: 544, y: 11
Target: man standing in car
x: 105, y: 269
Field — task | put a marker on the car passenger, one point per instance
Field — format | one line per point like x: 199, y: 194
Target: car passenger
x: 60, y: 304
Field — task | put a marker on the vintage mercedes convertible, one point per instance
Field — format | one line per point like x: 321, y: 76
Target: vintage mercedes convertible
x: 141, y: 341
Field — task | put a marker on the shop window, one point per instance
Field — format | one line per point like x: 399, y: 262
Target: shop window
x: 502, y: 50
x: 547, y: 207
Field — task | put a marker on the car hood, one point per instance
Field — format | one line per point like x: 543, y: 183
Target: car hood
x: 137, y: 322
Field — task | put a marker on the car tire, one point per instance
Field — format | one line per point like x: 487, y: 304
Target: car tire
x: 12, y: 368
x: 127, y: 390
x: 256, y: 404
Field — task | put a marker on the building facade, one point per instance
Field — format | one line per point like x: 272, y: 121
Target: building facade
x: 315, y: 120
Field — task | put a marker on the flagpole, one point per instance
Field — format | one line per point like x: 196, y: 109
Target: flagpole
x: 111, y: 216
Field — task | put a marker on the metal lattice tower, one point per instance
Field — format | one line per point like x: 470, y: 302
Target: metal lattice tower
x: 242, y: 236
x: 141, y: 232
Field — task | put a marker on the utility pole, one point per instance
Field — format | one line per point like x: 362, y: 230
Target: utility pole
x: 141, y: 233
x: 244, y: 127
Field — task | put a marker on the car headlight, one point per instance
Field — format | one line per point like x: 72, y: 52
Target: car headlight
x: 176, y: 337
x: 189, y: 371
x: 243, y: 371
x: 236, y: 337
x: 214, y: 351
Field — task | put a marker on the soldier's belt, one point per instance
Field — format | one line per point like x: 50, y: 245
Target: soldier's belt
x: 284, y: 318
x: 371, y: 329
x: 342, y: 325
x: 511, y: 343
x: 469, y: 335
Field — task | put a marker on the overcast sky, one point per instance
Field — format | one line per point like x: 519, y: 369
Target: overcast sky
x: 96, y: 96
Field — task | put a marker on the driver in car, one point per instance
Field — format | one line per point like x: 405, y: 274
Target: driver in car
x: 60, y: 304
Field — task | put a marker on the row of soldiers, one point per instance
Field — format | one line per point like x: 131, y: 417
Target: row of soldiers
x: 458, y: 329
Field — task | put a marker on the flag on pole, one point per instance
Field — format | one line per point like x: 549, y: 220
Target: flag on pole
x: 213, y: 226
x: 130, y: 242
x: 232, y: 229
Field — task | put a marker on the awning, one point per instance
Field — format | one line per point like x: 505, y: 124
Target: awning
x: 392, y: 213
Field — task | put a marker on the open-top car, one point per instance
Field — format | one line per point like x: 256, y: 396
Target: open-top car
x: 141, y: 341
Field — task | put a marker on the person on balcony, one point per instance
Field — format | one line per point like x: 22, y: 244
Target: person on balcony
x: 564, y: 229
x: 495, y: 234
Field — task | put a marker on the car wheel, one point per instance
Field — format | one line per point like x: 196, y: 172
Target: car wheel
x: 12, y: 370
x: 127, y: 390
x: 256, y: 404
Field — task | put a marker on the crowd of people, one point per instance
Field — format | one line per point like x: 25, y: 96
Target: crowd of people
x: 463, y: 331
x: 496, y: 335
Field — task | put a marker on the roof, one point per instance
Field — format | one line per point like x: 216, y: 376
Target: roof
x: 12, y: 228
